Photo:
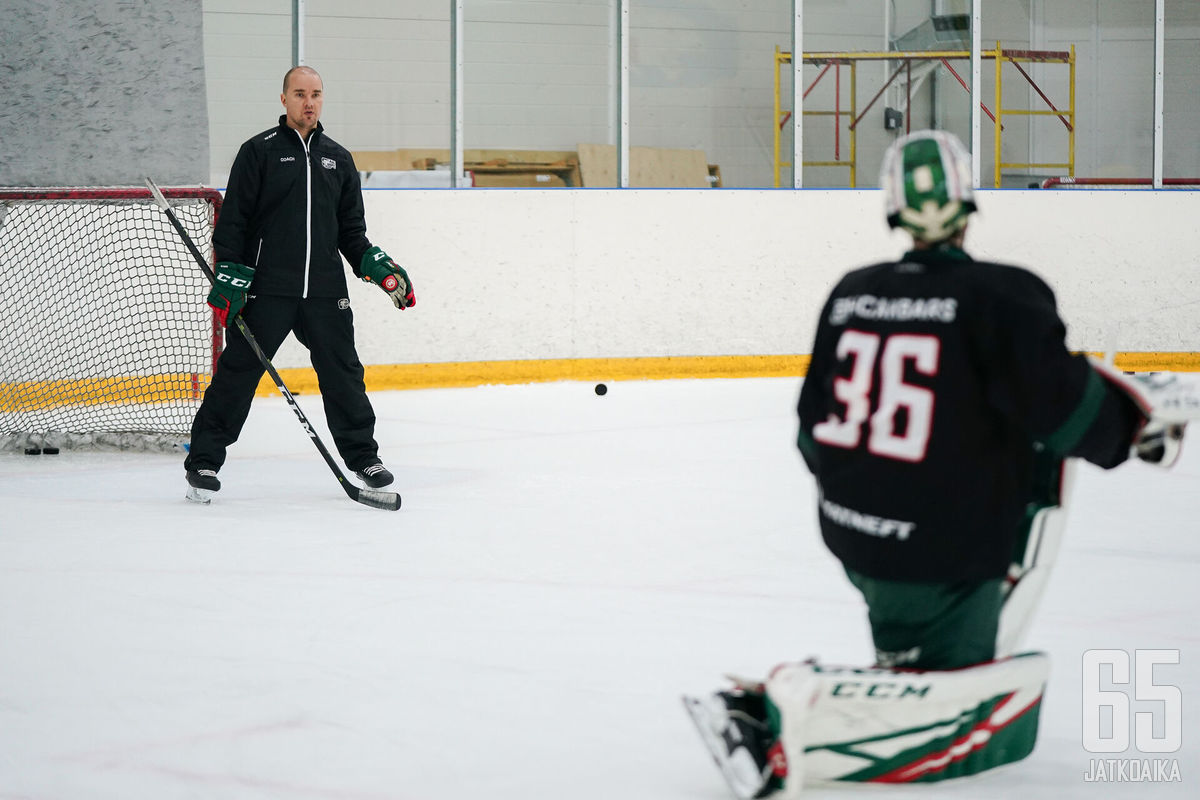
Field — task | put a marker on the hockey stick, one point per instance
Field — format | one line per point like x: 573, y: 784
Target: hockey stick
x: 389, y: 501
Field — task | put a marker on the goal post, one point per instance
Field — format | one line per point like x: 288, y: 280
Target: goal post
x: 105, y: 337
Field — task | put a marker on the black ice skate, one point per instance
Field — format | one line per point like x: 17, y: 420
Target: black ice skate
x: 375, y: 476
x: 202, y: 485
x: 734, y: 728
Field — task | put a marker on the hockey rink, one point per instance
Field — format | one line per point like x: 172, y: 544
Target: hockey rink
x: 565, y: 566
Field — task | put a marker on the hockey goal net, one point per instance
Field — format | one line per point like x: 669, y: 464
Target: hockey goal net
x: 105, y: 337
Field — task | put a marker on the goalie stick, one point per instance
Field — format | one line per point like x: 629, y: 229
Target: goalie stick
x: 389, y: 501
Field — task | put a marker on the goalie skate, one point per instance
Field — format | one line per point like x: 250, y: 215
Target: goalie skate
x: 741, y: 745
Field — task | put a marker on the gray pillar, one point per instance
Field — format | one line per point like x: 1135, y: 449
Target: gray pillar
x: 103, y: 93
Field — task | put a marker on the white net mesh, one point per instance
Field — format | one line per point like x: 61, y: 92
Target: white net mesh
x: 105, y: 338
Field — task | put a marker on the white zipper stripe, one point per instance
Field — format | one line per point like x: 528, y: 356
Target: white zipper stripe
x: 307, y: 213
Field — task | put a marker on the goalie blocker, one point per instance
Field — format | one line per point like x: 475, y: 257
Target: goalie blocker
x: 810, y: 723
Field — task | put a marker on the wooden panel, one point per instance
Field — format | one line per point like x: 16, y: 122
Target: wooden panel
x: 544, y: 168
x: 533, y: 179
x: 371, y: 160
x: 649, y: 167
x: 594, y: 165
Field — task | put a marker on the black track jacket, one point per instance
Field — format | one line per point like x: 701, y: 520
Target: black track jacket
x: 932, y: 380
x: 289, y: 208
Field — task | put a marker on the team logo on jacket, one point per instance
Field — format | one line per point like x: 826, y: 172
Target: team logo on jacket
x: 343, y: 303
x: 328, y: 163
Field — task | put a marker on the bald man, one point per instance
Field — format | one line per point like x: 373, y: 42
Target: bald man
x: 292, y: 210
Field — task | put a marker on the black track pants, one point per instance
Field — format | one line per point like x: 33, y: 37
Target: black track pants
x: 327, y: 330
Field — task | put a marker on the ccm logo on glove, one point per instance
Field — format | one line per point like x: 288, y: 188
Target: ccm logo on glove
x: 228, y: 295
x: 234, y: 281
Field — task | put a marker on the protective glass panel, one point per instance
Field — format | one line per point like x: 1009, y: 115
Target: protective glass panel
x: 711, y: 86
x: 537, y: 90
x: 1181, y: 104
x: 386, y: 68
x: 701, y: 91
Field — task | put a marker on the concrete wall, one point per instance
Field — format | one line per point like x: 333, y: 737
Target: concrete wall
x: 102, y: 93
x: 526, y: 274
x: 538, y: 75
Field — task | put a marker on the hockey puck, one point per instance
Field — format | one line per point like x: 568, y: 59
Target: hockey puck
x: 50, y: 451
x: 33, y: 451
x: 601, y: 389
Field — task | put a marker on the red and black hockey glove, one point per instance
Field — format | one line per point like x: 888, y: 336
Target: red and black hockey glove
x: 378, y: 267
x: 228, y: 295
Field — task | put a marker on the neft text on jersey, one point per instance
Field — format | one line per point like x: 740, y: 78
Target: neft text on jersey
x: 899, y: 309
x: 866, y: 523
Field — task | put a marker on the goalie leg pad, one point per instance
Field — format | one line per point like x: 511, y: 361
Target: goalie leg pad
x: 888, y: 726
x: 1037, y: 551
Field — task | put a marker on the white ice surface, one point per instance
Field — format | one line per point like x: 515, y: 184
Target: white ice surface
x: 563, y: 568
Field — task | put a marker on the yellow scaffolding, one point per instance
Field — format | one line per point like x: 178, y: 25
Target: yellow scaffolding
x: 835, y: 61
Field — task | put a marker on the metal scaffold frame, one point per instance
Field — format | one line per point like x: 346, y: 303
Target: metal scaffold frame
x: 835, y: 61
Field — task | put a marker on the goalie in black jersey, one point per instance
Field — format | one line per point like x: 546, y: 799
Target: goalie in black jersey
x: 939, y: 416
x: 939, y: 405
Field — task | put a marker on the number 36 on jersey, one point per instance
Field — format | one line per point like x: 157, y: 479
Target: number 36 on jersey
x: 887, y: 434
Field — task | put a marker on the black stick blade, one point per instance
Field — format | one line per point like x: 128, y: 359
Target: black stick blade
x: 388, y: 501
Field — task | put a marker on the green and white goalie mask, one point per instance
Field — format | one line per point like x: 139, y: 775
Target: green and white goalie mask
x: 926, y: 180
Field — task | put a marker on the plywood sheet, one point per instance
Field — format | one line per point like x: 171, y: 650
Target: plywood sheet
x: 532, y: 179
x: 561, y: 165
x: 649, y: 167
